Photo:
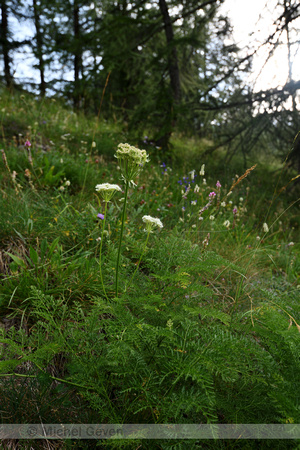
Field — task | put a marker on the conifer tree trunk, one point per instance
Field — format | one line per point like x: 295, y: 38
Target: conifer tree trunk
x: 5, y: 44
x: 172, y: 59
x: 39, y: 47
x: 287, y: 18
x: 77, y: 54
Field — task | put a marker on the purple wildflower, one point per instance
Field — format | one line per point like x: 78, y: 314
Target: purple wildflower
x: 100, y: 216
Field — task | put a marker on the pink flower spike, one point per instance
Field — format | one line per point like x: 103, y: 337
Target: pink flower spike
x: 212, y: 195
x: 234, y: 210
x: 218, y: 184
x: 27, y: 144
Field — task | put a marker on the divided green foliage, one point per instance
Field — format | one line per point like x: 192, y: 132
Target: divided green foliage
x: 204, y: 325
x: 136, y: 360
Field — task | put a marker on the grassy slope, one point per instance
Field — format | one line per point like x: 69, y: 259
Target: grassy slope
x: 240, y: 282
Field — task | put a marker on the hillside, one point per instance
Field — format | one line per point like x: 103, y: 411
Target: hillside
x: 169, y: 294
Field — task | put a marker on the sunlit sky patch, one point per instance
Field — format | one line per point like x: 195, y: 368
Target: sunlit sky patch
x: 252, y: 21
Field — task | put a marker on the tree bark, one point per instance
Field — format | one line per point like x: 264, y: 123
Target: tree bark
x: 39, y: 48
x: 77, y: 53
x: 287, y: 20
x: 173, y: 67
x: 5, y: 44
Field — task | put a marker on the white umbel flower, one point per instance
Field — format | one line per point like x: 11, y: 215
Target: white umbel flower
x: 151, y: 223
x: 107, y: 190
x: 131, y: 160
x: 107, y: 187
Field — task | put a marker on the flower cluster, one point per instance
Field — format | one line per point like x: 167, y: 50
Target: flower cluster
x: 211, y: 196
x: 206, y: 241
x: 151, y: 223
x: 107, y: 190
x: 186, y: 181
x: 131, y: 160
x: 265, y: 228
x: 193, y: 174
x: 185, y: 193
x: 163, y: 165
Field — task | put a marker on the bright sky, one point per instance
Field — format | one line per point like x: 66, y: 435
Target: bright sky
x: 247, y: 16
x: 256, y: 16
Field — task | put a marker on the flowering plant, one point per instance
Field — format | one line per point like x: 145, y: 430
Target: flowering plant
x: 107, y: 190
x: 131, y: 160
x: 265, y: 228
x: 151, y: 223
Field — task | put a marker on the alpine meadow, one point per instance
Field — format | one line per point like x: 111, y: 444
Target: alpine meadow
x: 149, y: 227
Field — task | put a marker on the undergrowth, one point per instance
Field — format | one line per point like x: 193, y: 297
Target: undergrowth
x: 196, y: 321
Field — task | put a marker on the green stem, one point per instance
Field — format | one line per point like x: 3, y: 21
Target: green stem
x: 34, y: 376
x: 100, y: 254
x: 121, y: 236
x: 84, y: 180
x: 138, y: 264
x: 52, y: 378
